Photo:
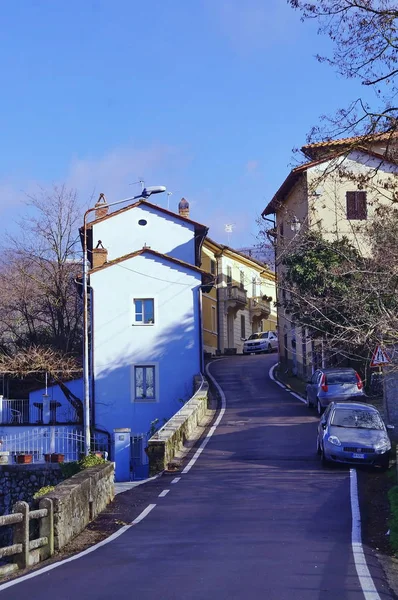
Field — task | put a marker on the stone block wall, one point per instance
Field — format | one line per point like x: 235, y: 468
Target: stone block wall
x: 80, y: 499
x: 170, y: 439
x: 21, y: 482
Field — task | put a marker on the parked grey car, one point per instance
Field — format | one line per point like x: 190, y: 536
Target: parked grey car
x: 353, y: 432
x: 328, y: 385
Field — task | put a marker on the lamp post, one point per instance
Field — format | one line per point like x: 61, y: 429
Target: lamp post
x: 146, y: 192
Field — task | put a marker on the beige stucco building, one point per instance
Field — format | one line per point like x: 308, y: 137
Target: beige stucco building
x: 242, y: 301
x: 334, y: 193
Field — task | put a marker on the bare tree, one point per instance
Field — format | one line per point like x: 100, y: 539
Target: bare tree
x: 365, y: 38
x: 39, y: 303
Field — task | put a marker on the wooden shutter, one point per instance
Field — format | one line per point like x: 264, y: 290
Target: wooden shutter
x: 356, y: 206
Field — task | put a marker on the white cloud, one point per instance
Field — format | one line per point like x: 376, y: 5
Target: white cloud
x: 252, y: 166
x: 116, y: 171
x: 254, y: 24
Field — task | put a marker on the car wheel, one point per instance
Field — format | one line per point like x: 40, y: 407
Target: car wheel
x: 319, y: 407
x: 324, y: 460
x: 309, y: 405
x: 269, y: 348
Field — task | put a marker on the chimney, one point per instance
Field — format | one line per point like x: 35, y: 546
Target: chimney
x: 99, y: 256
x: 183, y: 208
x: 101, y: 207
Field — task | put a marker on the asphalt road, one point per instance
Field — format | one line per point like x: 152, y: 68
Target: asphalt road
x: 255, y: 517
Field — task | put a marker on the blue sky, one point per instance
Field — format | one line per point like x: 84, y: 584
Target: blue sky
x: 207, y: 97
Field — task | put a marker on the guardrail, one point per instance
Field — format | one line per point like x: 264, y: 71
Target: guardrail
x: 27, y: 552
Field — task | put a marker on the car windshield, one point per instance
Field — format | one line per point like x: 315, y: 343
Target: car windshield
x: 341, y: 377
x: 356, y: 419
x: 254, y: 336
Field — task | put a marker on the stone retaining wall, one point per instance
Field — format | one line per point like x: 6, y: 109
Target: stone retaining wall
x: 80, y: 499
x: 170, y: 439
x: 21, y: 482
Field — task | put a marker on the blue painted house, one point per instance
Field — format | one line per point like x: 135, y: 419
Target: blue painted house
x: 145, y: 288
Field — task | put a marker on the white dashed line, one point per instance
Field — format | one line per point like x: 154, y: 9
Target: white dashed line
x: 163, y: 494
x: 176, y: 479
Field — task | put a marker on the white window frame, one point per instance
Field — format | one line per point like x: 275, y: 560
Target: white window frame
x: 145, y: 400
x: 142, y: 323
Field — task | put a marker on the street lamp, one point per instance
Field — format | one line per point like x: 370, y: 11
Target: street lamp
x: 146, y: 192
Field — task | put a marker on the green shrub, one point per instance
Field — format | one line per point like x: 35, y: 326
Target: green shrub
x: 70, y: 468
x: 43, y: 491
x: 393, y: 522
x: 91, y: 461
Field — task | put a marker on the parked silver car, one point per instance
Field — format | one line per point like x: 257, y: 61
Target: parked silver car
x: 265, y: 341
x: 353, y: 432
x: 328, y: 385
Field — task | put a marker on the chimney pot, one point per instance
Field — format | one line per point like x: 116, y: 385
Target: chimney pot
x: 183, y: 208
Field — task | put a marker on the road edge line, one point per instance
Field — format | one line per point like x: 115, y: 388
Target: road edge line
x: 282, y: 385
x: 365, y: 578
x: 112, y: 537
x: 215, y: 424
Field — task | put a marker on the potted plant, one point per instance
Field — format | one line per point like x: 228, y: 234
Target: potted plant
x: 24, y: 459
x: 57, y: 457
x: 4, y: 456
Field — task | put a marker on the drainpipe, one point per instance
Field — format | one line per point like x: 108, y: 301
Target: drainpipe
x: 201, y: 356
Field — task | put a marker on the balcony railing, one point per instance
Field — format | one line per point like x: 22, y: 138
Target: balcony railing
x: 24, y: 412
x: 260, y: 307
x: 234, y: 295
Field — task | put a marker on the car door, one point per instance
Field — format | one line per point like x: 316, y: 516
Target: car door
x: 273, y: 340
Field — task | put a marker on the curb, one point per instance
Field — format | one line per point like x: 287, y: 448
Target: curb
x: 285, y: 386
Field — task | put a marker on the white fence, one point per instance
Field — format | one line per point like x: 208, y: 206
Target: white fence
x: 43, y: 441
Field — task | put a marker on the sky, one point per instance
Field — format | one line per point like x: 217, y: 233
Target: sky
x: 205, y: 97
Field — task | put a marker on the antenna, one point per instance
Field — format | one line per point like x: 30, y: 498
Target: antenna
x: 228, y: 229
x: 141, y: 181
x: 168, y: 199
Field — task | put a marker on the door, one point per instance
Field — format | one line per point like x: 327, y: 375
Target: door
x: 230, y: 330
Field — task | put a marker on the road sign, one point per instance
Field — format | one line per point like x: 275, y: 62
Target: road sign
x: 380, y: 358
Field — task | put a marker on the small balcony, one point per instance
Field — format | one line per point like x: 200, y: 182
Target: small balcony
x: 259, y: 307
x: 235, y: 297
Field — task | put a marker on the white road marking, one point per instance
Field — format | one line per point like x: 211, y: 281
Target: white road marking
x: 176, y: 479
x: 282, y: 385
x: 112, y: 537
x: 364, y: 576
x: 213, y: 428
x: 163, y: 494
x: 298, y: 397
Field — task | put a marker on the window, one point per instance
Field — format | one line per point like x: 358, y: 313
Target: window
x: 213, y: 267
x: 229, y: 275
x: 242, y: 280
x: 254, y: 287
x: 144, y: 383
x: 242, y: 327
x: 213, y: 319
x: 144, y: 311
x: 356, y: 206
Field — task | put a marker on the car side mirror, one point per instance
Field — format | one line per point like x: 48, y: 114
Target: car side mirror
x: 390, y: 427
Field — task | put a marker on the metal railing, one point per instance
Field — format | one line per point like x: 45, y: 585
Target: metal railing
x: 37, y: 444
x: 24, y: 412
x: 234, y: 293
x: 26, y: 551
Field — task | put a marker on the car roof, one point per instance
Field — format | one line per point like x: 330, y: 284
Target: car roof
x: 356, y: 405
